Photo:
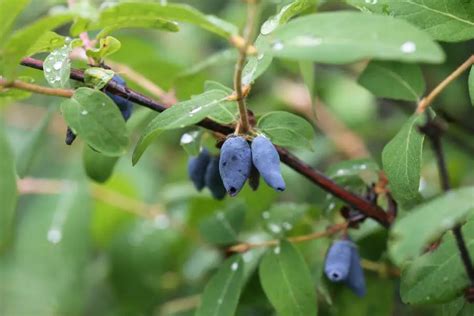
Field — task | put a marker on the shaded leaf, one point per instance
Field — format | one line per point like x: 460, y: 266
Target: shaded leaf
x: 222, y: 292
x: 439, y: 275
x: 98, y: 167
x: 8, y: 189
x: 223, y: 228
x: 429, y: 220
x: 287, y: 282
x: 345, y: 37
x: 8, y: 14
x: 458, y: 307
x: 95, y: 118
x: 401, y: 159
x: 471, y: 84
x: 287, y: 129
x: 393, y: 80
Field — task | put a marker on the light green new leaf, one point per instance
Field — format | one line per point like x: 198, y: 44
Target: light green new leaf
x: 426, y: 222
x: 444, y: 20
x: 21, y: 41
x: 439, y: 275
x: 32, y: 145
x: 393, y: 80
x: 287, y: 282
x: 8, y: 13
x: 401, y: 159
x: 287, y: 129
x: 182, y: 114
x: 48, y: 42
x: 286, y: 13
x: 222, y: 292
x: 8, y: 189
x: 57, y: 67
x: 345, y: 37
x: 223, y: 227
x: 471, y: 84
x: 97, y: 77
x: 97, y: 120
x: 107, y: 46
x: 123, y: 12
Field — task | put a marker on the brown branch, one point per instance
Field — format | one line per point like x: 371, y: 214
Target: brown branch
x: 426, y: 101
x: 243, y: 247
x: 18, y: 84
x: 356, y: 201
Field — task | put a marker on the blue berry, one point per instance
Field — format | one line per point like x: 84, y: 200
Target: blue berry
x: 338, y: 260
x: 197, y: 168
x: 267, y: 161
x: 235, y: 164
x: 123, y: 104
x: 356, y: 280
x: 213, y: 179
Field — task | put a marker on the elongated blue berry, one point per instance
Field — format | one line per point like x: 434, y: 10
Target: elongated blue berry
x: 123, y: 104
x: 356, y: 280
x: 267, y: 161
x: 197, y: 168
x: 235, y: 164
x: 338, y: 260
x: 70, y: 136
x: 213, y: 179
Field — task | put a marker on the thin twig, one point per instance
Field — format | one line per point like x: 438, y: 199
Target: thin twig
x: 21, y: 85
x: 239, y: 66
x: 426, y: 101
x: 243, y: 247
x: 367, y: 208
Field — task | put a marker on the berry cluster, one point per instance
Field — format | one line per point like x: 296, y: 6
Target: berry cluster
x: 343, y: 264
x: 238, y: 161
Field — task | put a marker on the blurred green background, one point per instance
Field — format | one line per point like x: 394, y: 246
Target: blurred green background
x: 135, y: 245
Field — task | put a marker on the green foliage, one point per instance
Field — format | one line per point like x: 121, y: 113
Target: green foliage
x: 286, y: 281
x: 97, y: 77
x: 286, y: 129
x: 429, y: 220
x: 57, y: 67
x: 401, y: 159
x: 393, y: 80
x: 315, y: 38
x: 10, y: 10
x: 94, y: 116
x: 285, y: 14
x: 107, y: 46
x: 223, y: 227
x: 471, y: 85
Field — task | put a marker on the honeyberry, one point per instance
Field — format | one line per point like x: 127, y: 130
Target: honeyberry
x: 235, y: 164
x: 213, y: 179
x: 197, y: 168
x: 356, y: 280
x: 123, y: 104
x: 338, y: 260
x: 267, y: 161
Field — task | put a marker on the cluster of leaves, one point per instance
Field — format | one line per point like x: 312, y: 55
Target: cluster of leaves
x: 143, y: 262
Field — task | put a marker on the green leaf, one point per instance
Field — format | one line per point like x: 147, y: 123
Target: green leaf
x: 286, y: 129
x: 287, y: 282
x: 95, y: 118
x: 219, y: 58
x: 365, y: 169
x: 222, y: 292
x: 107, y: 46
x: 257, y: 64
x: 345, y: 37
x: 191, y: 142
x: 47, y: 42
x: 21, y: 41
x: 401, y: 159
x: 98, y: 167
x: 180, y: 115
x: 8, y: 189
x: 139, y: 22
x: 57, y: 67
x: 444, y: 20
x: 285, y: 14
x: 458, y: 307
x: 223, y: 228
x: 471, y: 84
x: 281, y: 217
x: 214, y: 85
x: 429, y: 220
x: 307, y: 72
x: 97, y: 78
x: 123, y: 12
x: 8, y: 14
x: 393, y: 80
x: 32, y: 146
x: 439, y: 275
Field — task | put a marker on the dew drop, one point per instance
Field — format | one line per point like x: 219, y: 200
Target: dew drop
x: 371, y: 1
x: 54, y: 235
x: 277, y: 250
x: 186, y: 139
x: 234, y: 266
x: 287, y: 226
x: 57, y: 65
x: 266, y: 215
x: 260, y: 56
x: 277, y: 45
x: 306, y: 41
x: 274, y: 228
x: 408, y: 47
x: 84, y: 112
x: 47, y: 69
x: 194, y: 111
x: 161, y: 221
